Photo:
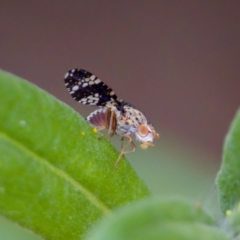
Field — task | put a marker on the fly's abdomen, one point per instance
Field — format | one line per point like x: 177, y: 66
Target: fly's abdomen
x: 103, y: 118
x: 98, y: 118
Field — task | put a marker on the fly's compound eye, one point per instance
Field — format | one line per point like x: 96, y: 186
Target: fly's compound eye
x: 143, y: 130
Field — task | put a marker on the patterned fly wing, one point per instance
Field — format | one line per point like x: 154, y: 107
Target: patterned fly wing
x: 88, y: 89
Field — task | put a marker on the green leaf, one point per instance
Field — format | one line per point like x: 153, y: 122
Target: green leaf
x: 155, y: 219
x: 228, y: 179
x: 56, y: 177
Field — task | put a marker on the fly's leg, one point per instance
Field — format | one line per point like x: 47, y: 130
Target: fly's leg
x: 124, y: 151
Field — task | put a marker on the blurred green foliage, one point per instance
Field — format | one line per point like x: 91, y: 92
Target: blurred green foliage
x: 159, y: 219
x: 228, y: 179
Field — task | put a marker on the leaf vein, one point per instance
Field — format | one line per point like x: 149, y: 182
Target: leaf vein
x: 89, y: 195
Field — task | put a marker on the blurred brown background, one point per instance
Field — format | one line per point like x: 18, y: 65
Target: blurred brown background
x: 177, y: 61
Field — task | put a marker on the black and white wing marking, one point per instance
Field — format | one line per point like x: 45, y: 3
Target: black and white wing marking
x: 88, y: 89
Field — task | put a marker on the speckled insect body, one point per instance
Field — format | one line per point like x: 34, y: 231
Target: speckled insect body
x: 114, y: 114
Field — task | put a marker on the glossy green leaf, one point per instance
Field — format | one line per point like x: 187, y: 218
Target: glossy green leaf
x: 228, y: 179
x: 155, y: 219
x: 56, y: 177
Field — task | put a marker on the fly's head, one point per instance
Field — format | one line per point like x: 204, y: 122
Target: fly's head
x: 146, y: 134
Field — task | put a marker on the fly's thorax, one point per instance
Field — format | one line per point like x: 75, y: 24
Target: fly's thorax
x: 134, y: 116
x: 144, y: 132
x: 133, y: 122
x: 128, y: 120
